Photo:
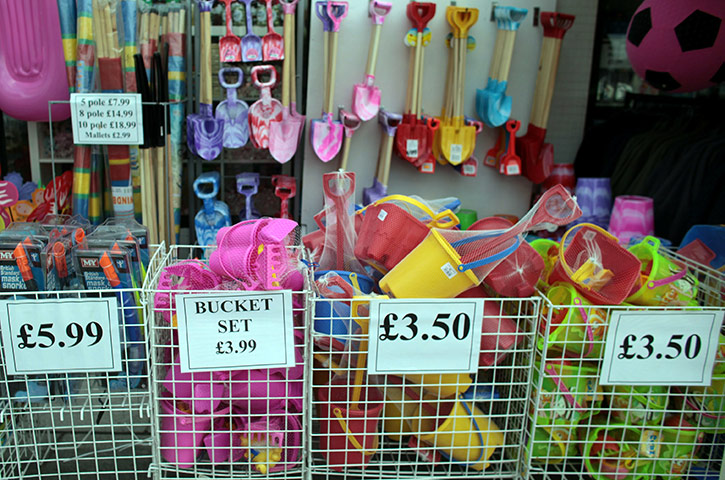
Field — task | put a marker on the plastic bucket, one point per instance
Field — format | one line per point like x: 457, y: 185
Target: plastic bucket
x: 398, y: 410
x: 638, y: 405
x: 225, y: 440
x: 429, y: 271
x: 707, y: 405
x: 182, y: 433
x: 465, y: 434
x: 677, y: 448
x: 664, y: 282
x: 518, y: 274
x: 348, y: 438
x: 387, y: 235
x: 197, y: 389
x: 548, y: 250
x: 332, y: 317
x: 442, y: 385
x: 259, y: 391
x: 569, y: 392
x: 552, y: 444
x: 620, y: 452
x: 576, y: 326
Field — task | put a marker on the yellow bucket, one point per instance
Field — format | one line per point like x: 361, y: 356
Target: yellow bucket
x: 397, y: 411
x: 664, y: 282
x: 442, y: 385
x: 465, y: 436
x: 429, y: 271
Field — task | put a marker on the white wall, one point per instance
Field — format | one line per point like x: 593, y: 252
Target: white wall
x: 489, y: 193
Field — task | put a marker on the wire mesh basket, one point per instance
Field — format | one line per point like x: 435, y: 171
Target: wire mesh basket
x: 579, y: 426
x: 79, y: 425
x: 418, y: 426
x: 238, y: 423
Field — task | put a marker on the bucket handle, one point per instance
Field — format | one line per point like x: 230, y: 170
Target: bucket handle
x: 436, y: 218
x: 563, y: 389
x: 493, y: 258
x: 590, y: 331
x: 478, y: 430
x: 565, y: 266
x: 700, y: 410
x: 652, y: 284
x: 349, y: 434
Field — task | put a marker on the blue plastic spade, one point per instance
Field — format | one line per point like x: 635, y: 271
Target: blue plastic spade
x: 215, y: 214
x: 492, y: 104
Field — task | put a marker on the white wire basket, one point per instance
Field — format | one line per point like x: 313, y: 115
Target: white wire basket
x: 245, y: 423
x: 79, y: 425
x: 577, y: 426
x: 419, y: 426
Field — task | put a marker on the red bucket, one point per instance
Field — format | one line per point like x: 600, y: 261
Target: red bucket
x: 348, y: 438
x: 388, y: 234
x: 605, y: 279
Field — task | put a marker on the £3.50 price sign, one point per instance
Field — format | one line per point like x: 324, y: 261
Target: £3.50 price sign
x: 661, y: 348
x: 235, y: 330
x: 61, y: 336
x: 424, y: 336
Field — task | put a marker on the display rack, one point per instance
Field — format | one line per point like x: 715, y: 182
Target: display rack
x: 80, y: 425
x: 257, y: 412
x: 576, y: 426
x: 419, y: 426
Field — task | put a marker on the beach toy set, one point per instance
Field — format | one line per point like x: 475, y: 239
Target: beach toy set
x: 238, y: 421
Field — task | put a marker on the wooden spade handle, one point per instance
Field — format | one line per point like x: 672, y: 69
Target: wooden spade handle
x: 286, y: 60
x: 373, y: 49
x: 551, y: 83
x: 507, y: 55
x: 205, y: 95
x: 387, y: 155
x: 497, y: 50
x: 411, y: 76
x: 293, y: 66
x: 333, y: 66
x: 542, y: 80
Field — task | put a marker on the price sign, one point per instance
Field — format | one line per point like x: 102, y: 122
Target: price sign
x: 61, y: 336
x: 424, y: 336
x: 661, y: 348
x: 107, y: 118
x: 235, y: 330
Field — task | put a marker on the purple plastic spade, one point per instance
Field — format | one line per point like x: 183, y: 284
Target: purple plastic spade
x: 232, y: 111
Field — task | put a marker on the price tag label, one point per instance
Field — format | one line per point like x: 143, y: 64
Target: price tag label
x: 61, y: 336
x: 107, y: 118
x: 235, y: 330
x: 424, y: 336
x: 411, y: 146
x: 661, y: 348
x: 456, y: 153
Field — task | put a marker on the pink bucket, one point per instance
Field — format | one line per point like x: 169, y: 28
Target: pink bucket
x: 198, y: 389
x: 225, y: 439
x: 632, y: 216
x: 348, y: 438
x: 182, y: 433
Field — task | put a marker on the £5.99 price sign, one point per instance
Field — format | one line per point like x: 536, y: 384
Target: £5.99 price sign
x: 424, y: 336
x: 235, y: 330
x: 661, y: 348
x: 61, y: 336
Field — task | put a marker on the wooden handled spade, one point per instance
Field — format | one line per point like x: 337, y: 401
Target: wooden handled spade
x: 413, y: 137
x: 204, y: 132
x: 492, y: 104
x: 538, y: 157
x: 326, y: 133
x: 350, y: 122
x: 365, y: 95
x: 390, y: 122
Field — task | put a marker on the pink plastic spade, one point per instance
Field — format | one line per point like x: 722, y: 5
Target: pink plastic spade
x: 266, y: 109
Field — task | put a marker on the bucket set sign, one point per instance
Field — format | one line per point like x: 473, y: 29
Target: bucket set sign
x: 235, y: 330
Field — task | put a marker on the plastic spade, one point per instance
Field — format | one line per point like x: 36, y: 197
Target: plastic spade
x: 266, y: 109
x: 469, y: 168
x: 413, y: 140
x: 285, y: 187
x: 326, y: 133
x: 272, y: 43
x: 204, y: 133
x: 510, y: 163
x: 284, y: 135
x: 248, y: 186
x: 492, y: 156
x: 390, y: 122
x: 492, y: 104
x: 229, y: 48
x: 215, y: 214
x: 458, y: 140
x: 538, y: 157
x: 350, y: 122
x: 232, y: 111
x: 366, y: 96
x: 251, y: 43
x: 339, y: 186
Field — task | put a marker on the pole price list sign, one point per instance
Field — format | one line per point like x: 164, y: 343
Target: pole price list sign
x: 661, y: 348
x: 235, y: 330
x: 107, y: 118
x: 61, y: 336
x: 424, y: 336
